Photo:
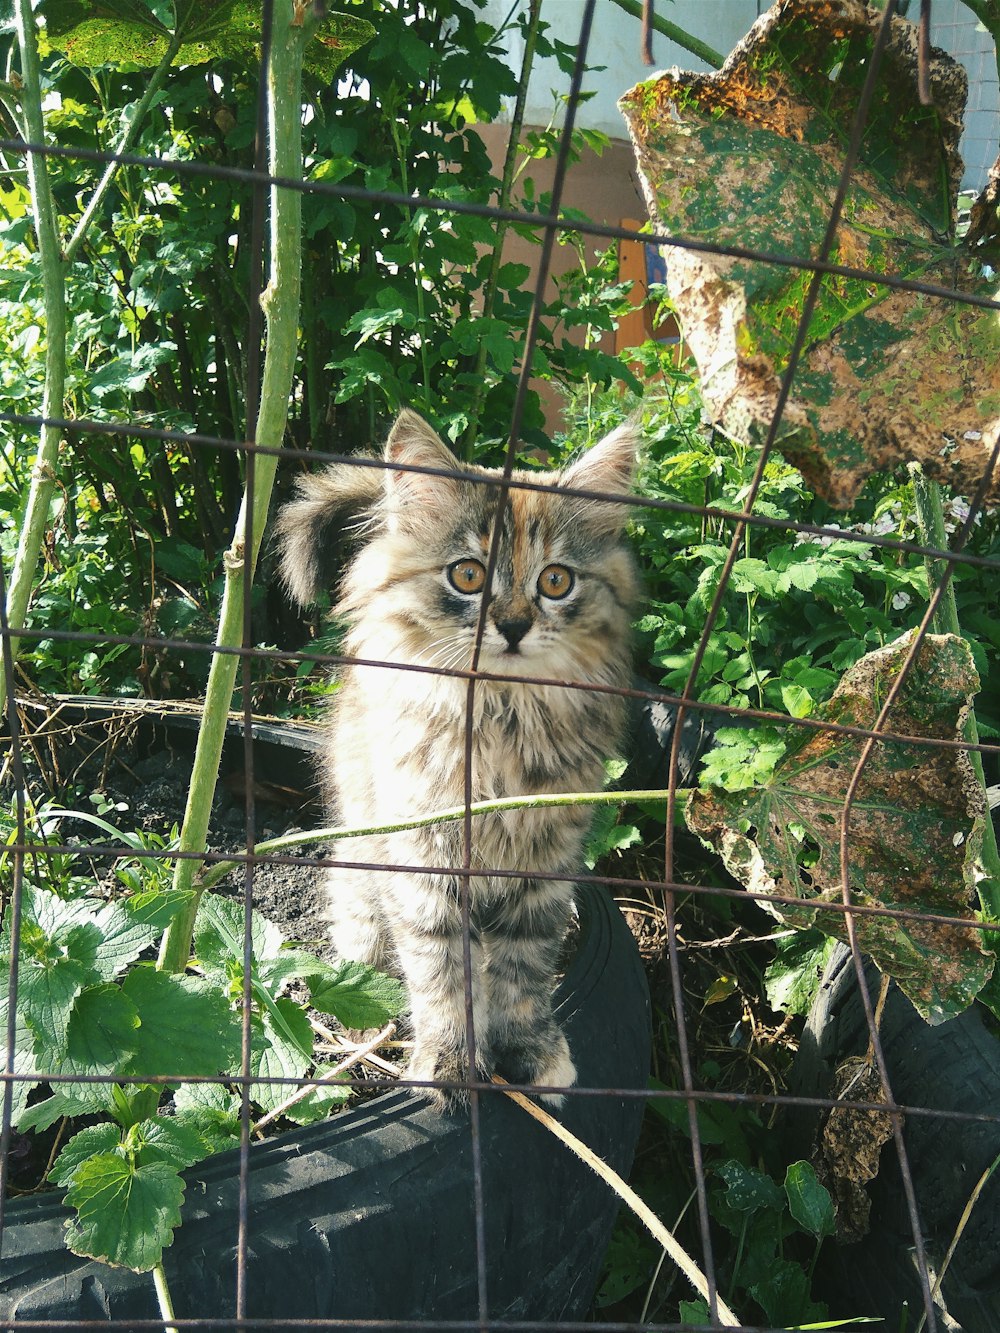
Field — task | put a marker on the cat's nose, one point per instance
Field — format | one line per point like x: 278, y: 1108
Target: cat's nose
x: 513, y: 630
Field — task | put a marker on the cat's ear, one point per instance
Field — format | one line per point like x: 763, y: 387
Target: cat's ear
x: 313, y: 529
x: 609, y: 467
x: 415, y: 497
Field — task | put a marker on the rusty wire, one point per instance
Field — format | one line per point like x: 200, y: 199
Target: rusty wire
x: 819, y: 266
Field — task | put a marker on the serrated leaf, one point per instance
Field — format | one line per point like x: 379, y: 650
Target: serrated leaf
x: 45, y: 998
x: 218, y: 936
x: 85, y: 1143
x: 279, y: 1051
x: 915, y: 833
x: 25, y: 1063
x: 356, y: 994
x: 213, y: 1111
x: 126, y: 1214
x: 167, y: 1139
x: 752, y: 157
x: 186, y: 1026
x: 101, y: 1035
x: 320, y: 1101
x: 132, y: 925
x: 42, y: 1115
x: 809, y: 1202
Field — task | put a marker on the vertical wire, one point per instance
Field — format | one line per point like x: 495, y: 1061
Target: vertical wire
x: 867, y: 750
x: 531, y: 336
x: 16, y: 896
x: 261, y: 194
x: 826, y: 247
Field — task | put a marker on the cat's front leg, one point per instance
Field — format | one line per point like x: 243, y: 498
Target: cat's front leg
x: 428, y: 938
x: 354, y: 920
x: 522, y: 946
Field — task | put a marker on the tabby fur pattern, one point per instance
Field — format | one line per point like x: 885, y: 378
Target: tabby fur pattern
x: 563, y: 593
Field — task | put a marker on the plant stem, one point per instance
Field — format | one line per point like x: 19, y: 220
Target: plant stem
x: 131, y: 134
x: 503, y: 201
x: 43, y: 475
x: 222, y: 868
x: 693, y: 44
x: 163, y: 1296
x: 281, y: 310
x: 930, y: 522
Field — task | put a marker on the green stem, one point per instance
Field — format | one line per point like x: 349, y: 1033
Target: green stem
x: 503, y: 201
x: 131, y: 134
x: 693, y: 44
x: 222, y: 868
x: 930, y: 522
x: 163, y: 1297
x: 43, y: 475
x: 281, y: 310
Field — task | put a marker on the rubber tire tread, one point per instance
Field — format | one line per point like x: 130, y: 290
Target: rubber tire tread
x: 371, y: 1214
x: 953, y: 1067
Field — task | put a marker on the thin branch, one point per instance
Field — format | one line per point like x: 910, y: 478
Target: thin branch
x: 628, y: 1195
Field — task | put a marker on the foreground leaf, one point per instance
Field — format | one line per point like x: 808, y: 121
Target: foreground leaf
x: 186, y: 1026
x: 126, y: 1213
x: 751, y: 157
x: 915, y: 832
x: 808, y: 1202
x: 356, y: 994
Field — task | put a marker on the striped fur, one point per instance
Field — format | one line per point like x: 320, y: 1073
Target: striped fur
x: 397, y: 741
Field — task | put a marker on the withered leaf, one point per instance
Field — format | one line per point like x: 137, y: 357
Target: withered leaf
x: 850, y: 1146
x: 751, y: 156
x: 915, y: 831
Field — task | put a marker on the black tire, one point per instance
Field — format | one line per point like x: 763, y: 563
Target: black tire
x: 952, y: 1067
x: 371, y: 1215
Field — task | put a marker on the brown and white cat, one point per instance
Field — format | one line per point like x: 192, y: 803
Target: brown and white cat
x: 561, y: 601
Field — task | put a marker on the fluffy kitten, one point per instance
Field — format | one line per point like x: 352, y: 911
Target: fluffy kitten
x: 562, y: 597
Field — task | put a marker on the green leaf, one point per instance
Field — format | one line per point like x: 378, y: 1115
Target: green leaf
x: 126, y: 1213
x: 750, y: 1191
x: 126, y: 33
x: 132, y: 925
x: 809, y: 1202
x: 752, y: 156
x: 357, y: 995
x: 102, y: 1034
x: 218, y: 936
x: 186, y: 1026
x: 167, y: 1139
x: 85, y: 1143
x: 213, y: 1110
x: 916, y: 829
x: 321, y: 1100
x: 793, y: 978
x: 280, y: 1050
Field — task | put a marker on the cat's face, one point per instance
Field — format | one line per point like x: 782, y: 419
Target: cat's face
x: 559, y: 593
x: 559, y: 597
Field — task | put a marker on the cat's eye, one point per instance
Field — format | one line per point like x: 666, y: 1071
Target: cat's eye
x: 556, y: 581
x: 467, y: 576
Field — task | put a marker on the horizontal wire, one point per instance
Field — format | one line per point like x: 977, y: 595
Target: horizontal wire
x: 91, y: 426
x: 105, y: 852
x: 361, y: 193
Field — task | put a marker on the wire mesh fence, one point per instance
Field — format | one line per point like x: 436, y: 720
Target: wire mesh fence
x: 262, y: 1238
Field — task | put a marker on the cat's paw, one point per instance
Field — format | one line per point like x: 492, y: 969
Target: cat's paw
x: 449, y: 1067
x: 542, y: 1059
